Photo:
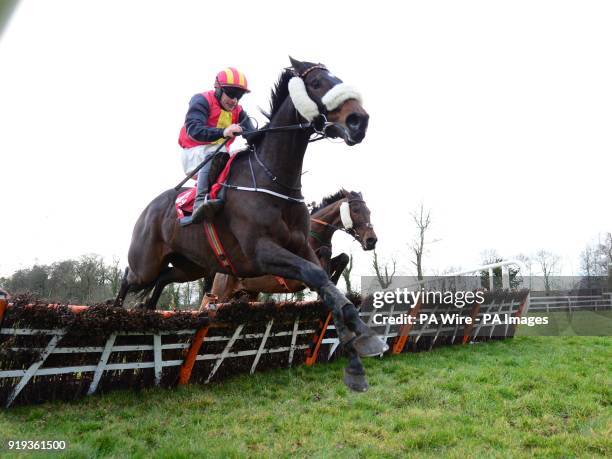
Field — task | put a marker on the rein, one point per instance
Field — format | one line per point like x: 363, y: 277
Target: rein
x: 316, y: 120
x: 320, y: 126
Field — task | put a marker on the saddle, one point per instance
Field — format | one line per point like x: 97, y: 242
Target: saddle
x: 220, y: 168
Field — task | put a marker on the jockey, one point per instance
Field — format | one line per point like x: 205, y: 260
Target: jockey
x: 213, y: 116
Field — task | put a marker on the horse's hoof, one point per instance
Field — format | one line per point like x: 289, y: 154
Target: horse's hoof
x: 140, y: 306
x: 356, y: 383
x: 369, y: 345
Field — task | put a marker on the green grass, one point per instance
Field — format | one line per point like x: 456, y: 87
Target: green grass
x: 543, y: 397
x: 564, y: 323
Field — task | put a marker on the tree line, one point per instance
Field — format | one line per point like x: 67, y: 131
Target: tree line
x: 89, y: 279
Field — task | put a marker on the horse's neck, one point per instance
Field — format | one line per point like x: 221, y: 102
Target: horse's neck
x: 283, y: 152
x: 331, y: 216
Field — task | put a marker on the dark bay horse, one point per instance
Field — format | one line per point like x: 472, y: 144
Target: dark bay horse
x: 264, y: 225
x: 345, y: 211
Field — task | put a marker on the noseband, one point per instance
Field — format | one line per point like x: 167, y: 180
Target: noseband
x: 315, y: 113
x: 350, y: 231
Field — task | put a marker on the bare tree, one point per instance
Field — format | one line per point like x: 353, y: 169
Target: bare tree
x: 187, y: 293
x: 201, y: 283
x: 549, y: 265
x: 382, y: 272
x: 346, y: 274
x: 528, y: 262
x: 604, y: 250
x: 114, y: 275
x: 490, y: 256
x: 422, y: 220
x: 90, y: 272
x: 589, y: 262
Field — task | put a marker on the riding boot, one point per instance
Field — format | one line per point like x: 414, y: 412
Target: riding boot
x: 204, y: 208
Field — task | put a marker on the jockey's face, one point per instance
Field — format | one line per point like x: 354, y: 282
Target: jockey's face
x: 227, y: 103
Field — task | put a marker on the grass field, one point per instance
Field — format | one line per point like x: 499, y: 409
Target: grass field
x: 526, y: 397
x: 565, y: 323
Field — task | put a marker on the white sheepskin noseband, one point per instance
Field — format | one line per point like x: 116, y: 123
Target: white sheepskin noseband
x: 303, y: 103
x: 339, y: 94
x: 335, y: 97
x: 345, y: 215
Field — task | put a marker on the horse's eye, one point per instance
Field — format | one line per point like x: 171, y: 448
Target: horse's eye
x: 316, y: 84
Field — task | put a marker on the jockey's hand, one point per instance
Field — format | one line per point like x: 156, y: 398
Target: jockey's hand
x: 232, y: 130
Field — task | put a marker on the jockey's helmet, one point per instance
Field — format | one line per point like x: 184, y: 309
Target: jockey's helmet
x: 231, y: 78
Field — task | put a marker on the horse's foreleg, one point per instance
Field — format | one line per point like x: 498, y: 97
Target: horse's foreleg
x: 354, y: 373
x: 273, y: 259
x: 278, y: 261
x: 337, y: 266
x: 123, y: 290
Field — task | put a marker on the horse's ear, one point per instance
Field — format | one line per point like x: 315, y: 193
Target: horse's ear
x: 345, y: 193
x: 298, y: 66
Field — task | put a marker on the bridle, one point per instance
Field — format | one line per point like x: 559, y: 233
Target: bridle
x: 318, y: 122
x: 350, y: 231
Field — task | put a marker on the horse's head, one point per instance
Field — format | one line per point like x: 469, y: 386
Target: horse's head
x: 327, y: 102
x: 355, y: 217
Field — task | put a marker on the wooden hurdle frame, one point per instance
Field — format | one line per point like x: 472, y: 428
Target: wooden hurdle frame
x: 192, y: 354
x: 216, y: 343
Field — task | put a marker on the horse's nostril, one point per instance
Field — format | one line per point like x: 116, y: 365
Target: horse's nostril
x: 354, y: 121
x: 371, y: 241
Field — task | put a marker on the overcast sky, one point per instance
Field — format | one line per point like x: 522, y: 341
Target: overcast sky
x: 497, y: 115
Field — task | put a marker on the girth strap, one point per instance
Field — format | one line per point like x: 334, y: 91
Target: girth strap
x: 217, y: 247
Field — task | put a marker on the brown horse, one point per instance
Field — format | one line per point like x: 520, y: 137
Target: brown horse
x: 265, y: 223
x: 345, y: 211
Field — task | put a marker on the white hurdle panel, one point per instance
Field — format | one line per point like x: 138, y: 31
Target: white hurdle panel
x: 157, y: 364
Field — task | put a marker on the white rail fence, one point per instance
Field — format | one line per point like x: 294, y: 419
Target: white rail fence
x: 571, y: 303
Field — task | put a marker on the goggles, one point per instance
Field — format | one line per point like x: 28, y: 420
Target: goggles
x: 234, y: 93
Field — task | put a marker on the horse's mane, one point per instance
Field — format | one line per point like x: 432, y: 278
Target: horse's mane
x: 280, y: 92
x: 327, y: 200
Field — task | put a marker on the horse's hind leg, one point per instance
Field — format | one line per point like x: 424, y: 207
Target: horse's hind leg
x: 181, y: 271
x: 123, y: 290
x: 167, y: 277
x: 225, y: 286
